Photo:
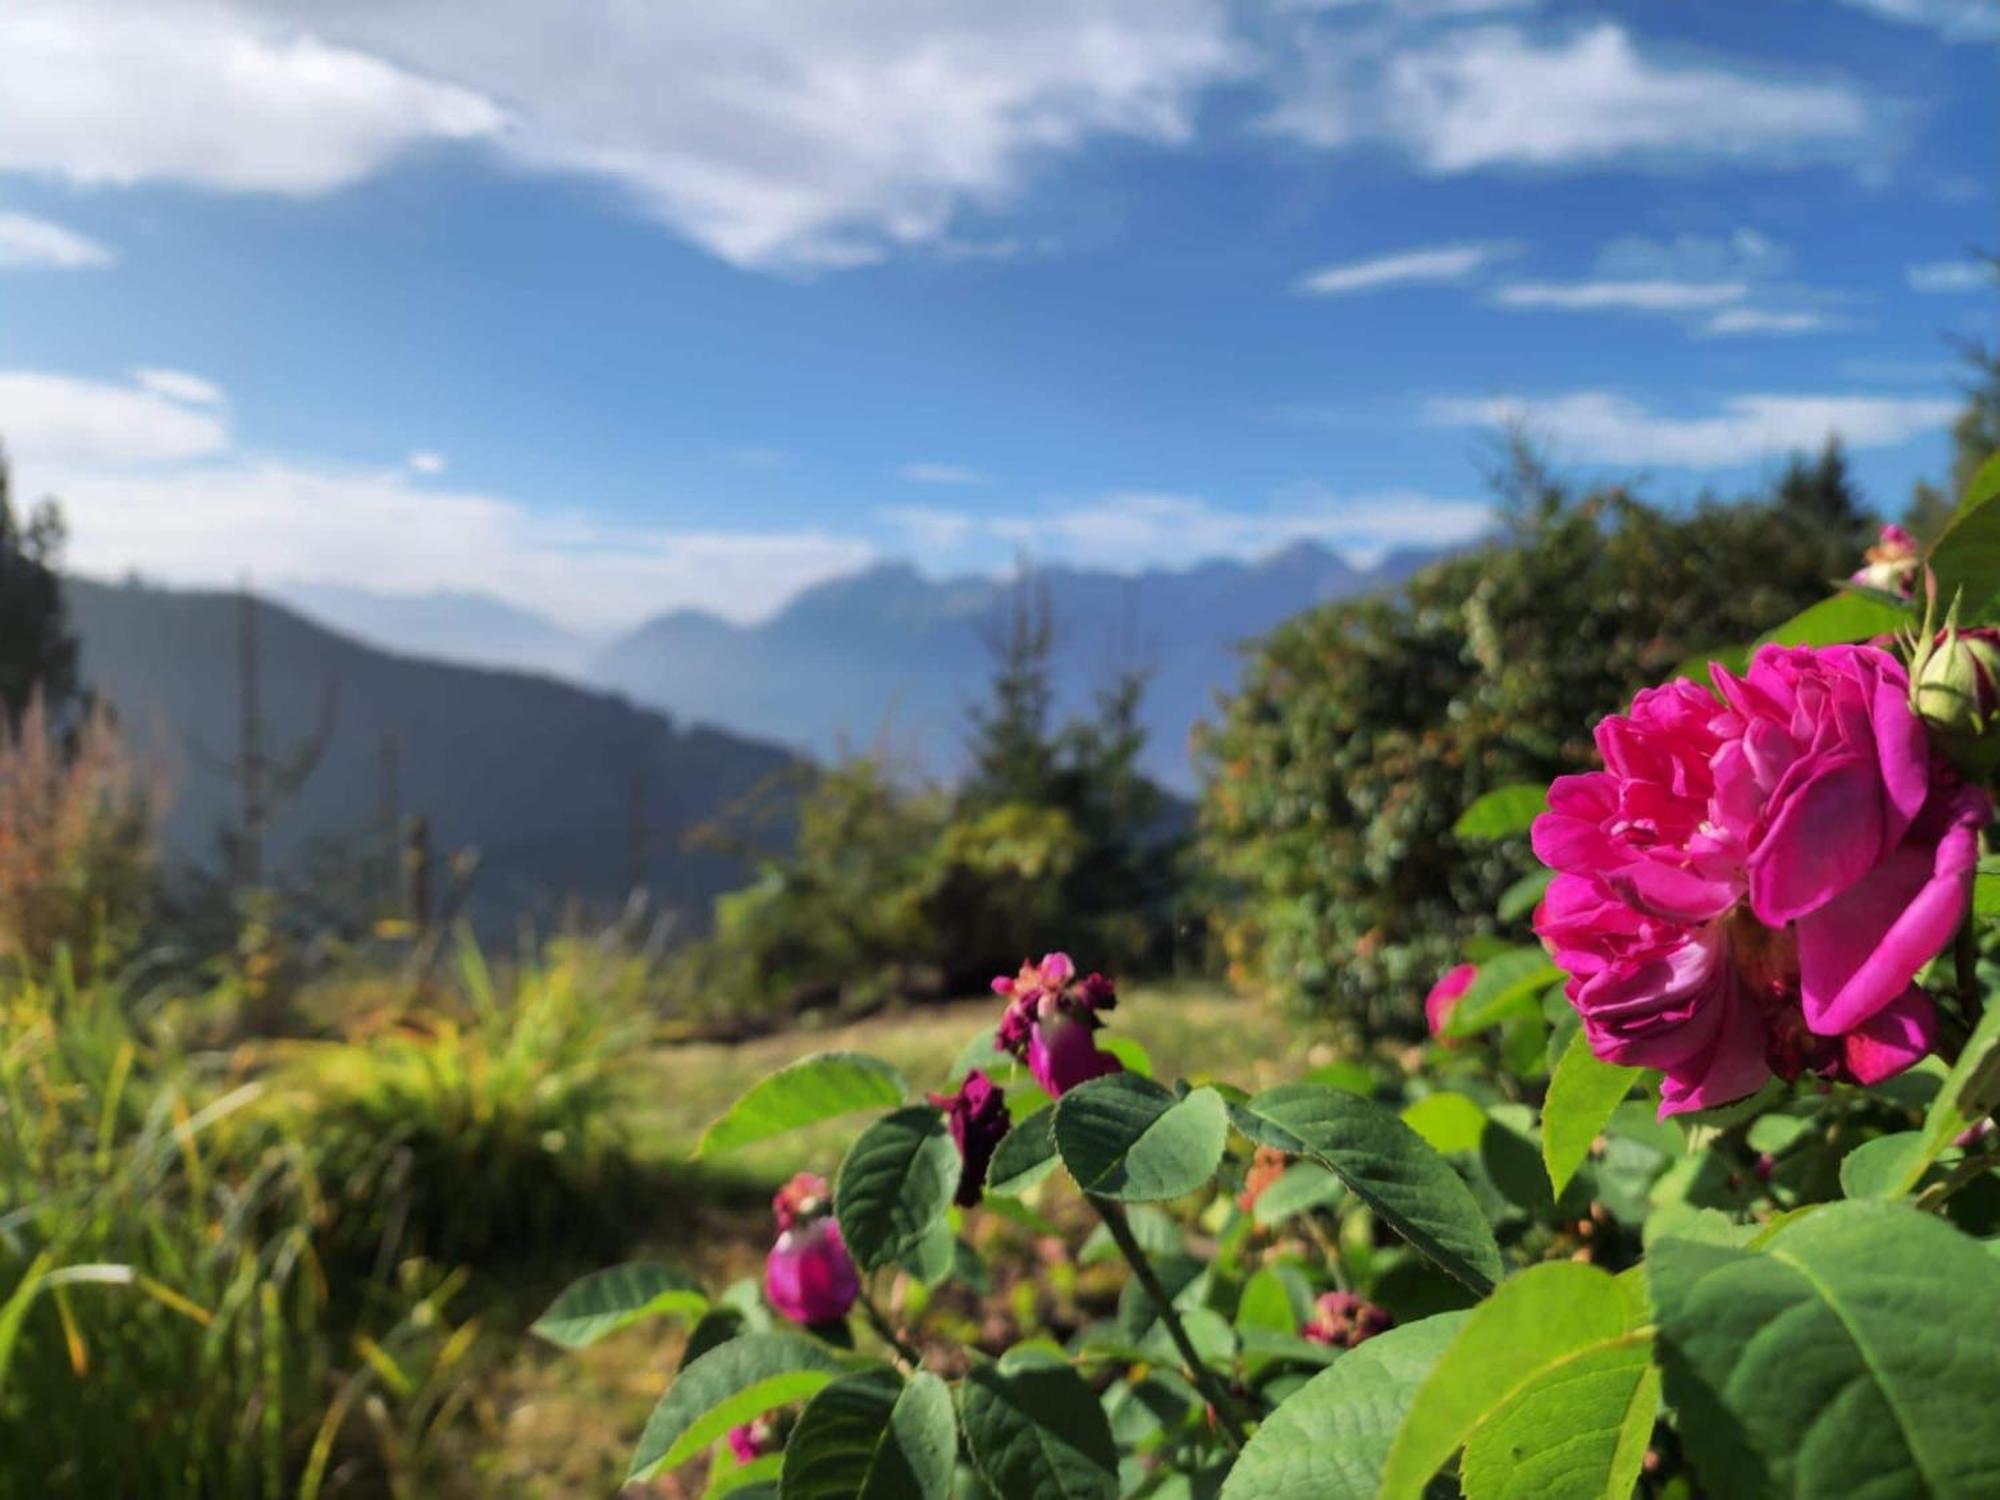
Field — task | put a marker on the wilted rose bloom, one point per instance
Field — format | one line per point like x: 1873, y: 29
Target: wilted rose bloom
x: 1445, y: 995
x: 977, y: 1115
x: 1341, y: 1320
x: 1050, y: 1020
x: 1892, y: 563
x: 1752, y: 886
x: 809, y: 1276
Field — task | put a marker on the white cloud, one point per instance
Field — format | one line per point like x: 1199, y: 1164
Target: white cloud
x: 1435, y: 263
x: 204, y: 94
x: 1130, y: 530
x: 1599, y: 427
x: 26, y: 241
x: 1954, y: 276
x: 1622, y: 296
x: 1495, y: 96
x: 424, y: 461
x: 179, y: 385
x: 152, y: 483
x: 774, y: 135
x: 1735, y: 322
x: 57, y: 419
x: 953, y: 474
x: 1959, y: 20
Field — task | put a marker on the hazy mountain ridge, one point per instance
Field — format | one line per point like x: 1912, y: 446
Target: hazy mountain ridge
x: 544, y: 777
x: 887, y: 654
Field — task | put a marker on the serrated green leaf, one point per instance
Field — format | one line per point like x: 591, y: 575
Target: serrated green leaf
x: 1508, y: 1375
x: 869, y: 1436
x: 1127, y: 1138
x: 733, y: 1383
x: 1329, y: 1439
x: 1035, y: 1429
x: 1450, y: 1122
x: 896, y: 1181
x: 1583, y: 1092
x: 1847, y: 616
x: 1523, y: 895
x: 1966, y: 558
x: 1305, y: 1185
x: 1508, y: 985
x: 1026, y: 1154
x: 1386, y: 1165
x: 1503, y: 812
x: 608, y: 1300
x: 1878, y: 1168
x: 1851, y: 1355
x: 821, y: 1087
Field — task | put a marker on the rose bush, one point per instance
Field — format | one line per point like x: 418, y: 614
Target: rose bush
x: 1697, y: 1195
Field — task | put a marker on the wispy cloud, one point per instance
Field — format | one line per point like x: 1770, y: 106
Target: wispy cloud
x: 1600, y: 427
x: 1434, y: 263
x: 1497, y: 96
x: 946, y: 474
x: 1130, y: 530
x: 27, y: 242
x: 1958, y: 20
x: 427, y: 462
x: 1622, y: 296
x: 1736, y: 322
x: 179, y: 385
x: 59, y: 419
x: 1954, y: 276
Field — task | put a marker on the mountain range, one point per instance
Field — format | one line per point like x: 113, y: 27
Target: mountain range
x: 889, y: 658
x: 566, y: 792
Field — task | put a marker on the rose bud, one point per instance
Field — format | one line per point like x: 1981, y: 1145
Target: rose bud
x: 809, y: 1276
x: 1051, y: 1020
x: 1957, y: 691
x: 1891, y: 564
x: 1341, y: 1320
x: 1444, y: 997
x: 977, y: 1114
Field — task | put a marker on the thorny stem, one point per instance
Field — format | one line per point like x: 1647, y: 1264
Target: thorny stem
x: 886, y: 1331
x: 1204, y: 1378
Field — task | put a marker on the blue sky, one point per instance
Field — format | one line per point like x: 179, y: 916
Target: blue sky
x: 608, y: 309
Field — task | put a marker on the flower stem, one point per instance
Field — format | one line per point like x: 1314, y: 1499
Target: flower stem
x: 1218, y: 1399
x: 886, y: 1332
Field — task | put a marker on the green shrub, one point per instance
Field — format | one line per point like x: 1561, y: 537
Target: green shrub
x: 166, y: 1326
x: 1362, y: 729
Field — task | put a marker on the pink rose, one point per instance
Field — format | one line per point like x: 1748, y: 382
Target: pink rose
x: 1445, y: 995
x: 1051, y: 1021
x: 750, y: 1441
x: 809, y: 1276
x: 1892, y: 563
x: 1753, y: 886
x: 977, y: 1115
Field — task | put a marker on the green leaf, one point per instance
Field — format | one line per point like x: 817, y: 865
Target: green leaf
x: 1505, y: 986
x: 1847, y: 616
x: 1852, y: 1355
x: 1971, y: 1092
x: 871, y: 1437
x: 1503, y: 812
x: 1539, y: 1387
x: 1878, y: 1168
x: 1986, y: 895
x: 820, y: 1087
x: 1966, y: 559
x: 1305, y: 1185
x: 1127, y: 1138
x: 1026, y: 1154
x: 1035, y: 1429
x: 1129, y: 1051
x: 733, y: 1383
x: 1583, y: 1092
x: 930, y: 1259
x: 1523, y: 895
x: 1449, y: 1122
x: 1386, y: 1165
x: 1329, y: 1439
x: 605, y: 1301
x: 896, y: 1181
